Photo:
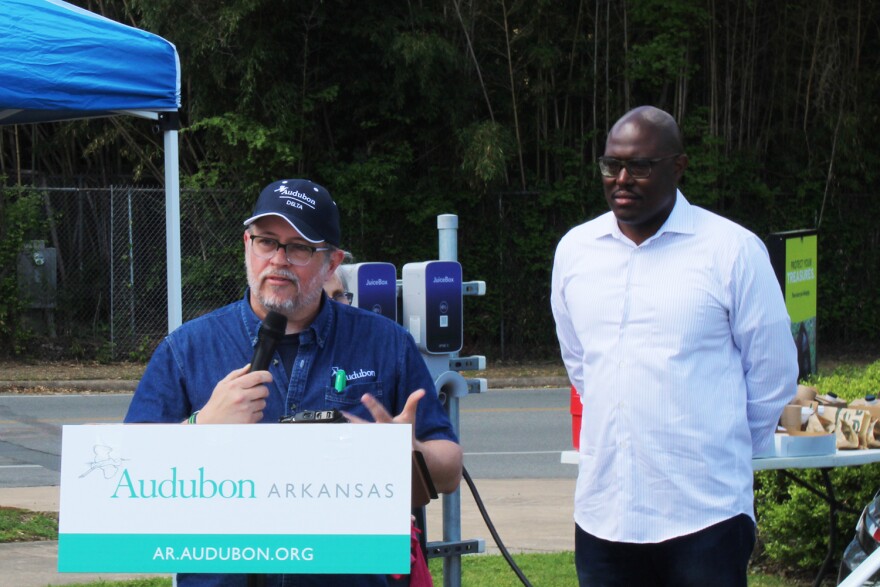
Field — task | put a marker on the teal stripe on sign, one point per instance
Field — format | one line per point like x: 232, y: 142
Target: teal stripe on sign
x: 233, y: 553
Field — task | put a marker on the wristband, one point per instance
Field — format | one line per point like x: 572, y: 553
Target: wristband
x: 192, y: 418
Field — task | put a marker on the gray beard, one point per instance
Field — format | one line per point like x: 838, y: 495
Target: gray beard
x: 305, y: 296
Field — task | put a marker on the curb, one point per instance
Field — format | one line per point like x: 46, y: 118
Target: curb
x: 528, y: 382
x: 73, y: 384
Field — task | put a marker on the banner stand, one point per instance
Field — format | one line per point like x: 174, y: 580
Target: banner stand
x: 794, y: 257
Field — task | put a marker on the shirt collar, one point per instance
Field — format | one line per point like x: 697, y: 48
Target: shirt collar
x: 318, y: 330
x: 680, y: 220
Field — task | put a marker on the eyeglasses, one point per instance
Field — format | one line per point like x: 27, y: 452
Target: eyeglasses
x: 343, y: 297
x: 295, y: 253
x: 637, y: 168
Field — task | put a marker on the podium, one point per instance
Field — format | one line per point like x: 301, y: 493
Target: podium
x: 272, y: 498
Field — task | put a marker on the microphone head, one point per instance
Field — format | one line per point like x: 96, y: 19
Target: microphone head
x: 274, y: 324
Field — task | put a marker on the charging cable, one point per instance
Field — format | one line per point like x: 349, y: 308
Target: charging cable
x: 491, y: 527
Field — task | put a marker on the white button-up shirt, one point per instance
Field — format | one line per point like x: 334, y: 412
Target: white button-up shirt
x: 682, y: 353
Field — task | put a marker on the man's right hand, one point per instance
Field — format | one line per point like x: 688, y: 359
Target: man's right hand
x: 239, y: 398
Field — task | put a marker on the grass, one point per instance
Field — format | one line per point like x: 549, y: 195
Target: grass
x: 17, y: 525
x: 547, y: 570
x: 150, y: 582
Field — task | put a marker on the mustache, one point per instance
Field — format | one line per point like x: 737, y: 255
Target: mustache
x: 280, y: 273
x: 624, y: 191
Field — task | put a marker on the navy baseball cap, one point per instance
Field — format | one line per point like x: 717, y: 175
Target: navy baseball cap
x: 305, y: 205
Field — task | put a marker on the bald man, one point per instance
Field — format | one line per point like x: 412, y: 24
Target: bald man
x: 674, y: 332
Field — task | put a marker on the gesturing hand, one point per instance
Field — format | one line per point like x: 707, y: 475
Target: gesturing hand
x: 381, y: 415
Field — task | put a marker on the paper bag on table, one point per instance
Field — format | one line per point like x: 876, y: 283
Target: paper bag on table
x: 874, y: 434
x: 805, y: 396
x: 858, y: 421
x: 819, y: 425
x: 846, y: 438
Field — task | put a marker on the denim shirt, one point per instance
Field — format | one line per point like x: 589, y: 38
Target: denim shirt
x: 378, y: 356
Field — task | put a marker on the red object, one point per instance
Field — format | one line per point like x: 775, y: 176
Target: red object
x: 419, y: 575
x: 577, y: 409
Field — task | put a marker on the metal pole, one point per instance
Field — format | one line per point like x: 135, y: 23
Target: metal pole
x: 172, y: 230
x: 112, y: 278
x: 132, y: 326
x: 447, y: 226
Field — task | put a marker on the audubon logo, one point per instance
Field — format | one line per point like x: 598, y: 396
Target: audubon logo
x: 175, y: 486
x: 360, y: 374
x: 295, y: 197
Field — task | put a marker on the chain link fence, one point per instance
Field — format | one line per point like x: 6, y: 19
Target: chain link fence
x: 110, y: 252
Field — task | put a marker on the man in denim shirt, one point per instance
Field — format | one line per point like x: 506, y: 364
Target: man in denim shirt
x: 200, y: 373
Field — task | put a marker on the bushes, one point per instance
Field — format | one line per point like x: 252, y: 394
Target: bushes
x: 793, y: 522
x: 20, y: 222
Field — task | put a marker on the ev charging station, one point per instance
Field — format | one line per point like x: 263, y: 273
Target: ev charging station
x: 432, y: 293
x: 432, y: 305
x: 374, y: 286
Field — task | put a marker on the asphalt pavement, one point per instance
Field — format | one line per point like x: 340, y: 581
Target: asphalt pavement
x: 529, y: 515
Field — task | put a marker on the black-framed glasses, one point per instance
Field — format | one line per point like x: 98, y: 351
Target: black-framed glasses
x: 343, y: 297
x: 636, y: 168
x: 265, y: 247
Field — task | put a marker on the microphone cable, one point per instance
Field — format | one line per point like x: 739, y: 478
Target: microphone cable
x: 491, y: 527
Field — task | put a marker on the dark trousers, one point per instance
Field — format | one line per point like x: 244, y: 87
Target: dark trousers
x: 717, y: 556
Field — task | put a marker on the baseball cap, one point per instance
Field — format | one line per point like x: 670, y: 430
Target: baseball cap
x: 305, y: 205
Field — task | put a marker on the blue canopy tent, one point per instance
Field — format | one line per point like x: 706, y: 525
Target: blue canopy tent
x: 60, y: 62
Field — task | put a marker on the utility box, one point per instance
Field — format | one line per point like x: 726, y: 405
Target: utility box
x: 37, y: 284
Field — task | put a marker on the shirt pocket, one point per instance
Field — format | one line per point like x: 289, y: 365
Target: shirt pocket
x: 349, y: 399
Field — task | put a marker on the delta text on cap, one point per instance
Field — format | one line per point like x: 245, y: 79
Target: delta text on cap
x: 305, y: 205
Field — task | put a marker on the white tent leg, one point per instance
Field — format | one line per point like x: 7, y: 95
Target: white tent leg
x: 172, y: 230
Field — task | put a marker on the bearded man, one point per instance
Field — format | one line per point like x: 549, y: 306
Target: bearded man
x: 200, y: 373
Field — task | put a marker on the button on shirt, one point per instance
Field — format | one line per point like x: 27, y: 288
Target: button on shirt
x: 682, y: 352
x: 378, y: 356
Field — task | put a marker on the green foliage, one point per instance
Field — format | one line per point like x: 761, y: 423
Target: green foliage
x: 792, y: 521
x: 849, y: 382
x: 21, y: 221
x: 143, y: 350
x: 486, y: 148
x: 406, y: 110
x: 18, y: 525
x: 428, y: 61
x: 241, y: 149
x: 668, y: 33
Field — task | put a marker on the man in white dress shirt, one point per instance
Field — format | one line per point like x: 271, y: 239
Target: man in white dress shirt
x: 674, y: 332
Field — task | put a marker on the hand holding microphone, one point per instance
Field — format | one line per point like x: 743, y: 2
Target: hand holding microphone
x: 240, y: 397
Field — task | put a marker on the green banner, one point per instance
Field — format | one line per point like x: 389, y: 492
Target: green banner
x: 801, y: 285
x: 219, y: 553
x: 801, y: 260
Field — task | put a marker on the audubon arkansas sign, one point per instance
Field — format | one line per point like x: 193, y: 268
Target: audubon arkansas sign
x: 277, y: 498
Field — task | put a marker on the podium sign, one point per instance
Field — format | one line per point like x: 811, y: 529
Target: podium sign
x: 794, y: 256
x: 270, y: 498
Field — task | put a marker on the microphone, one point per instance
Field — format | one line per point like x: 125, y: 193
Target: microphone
x: 271, y: 331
